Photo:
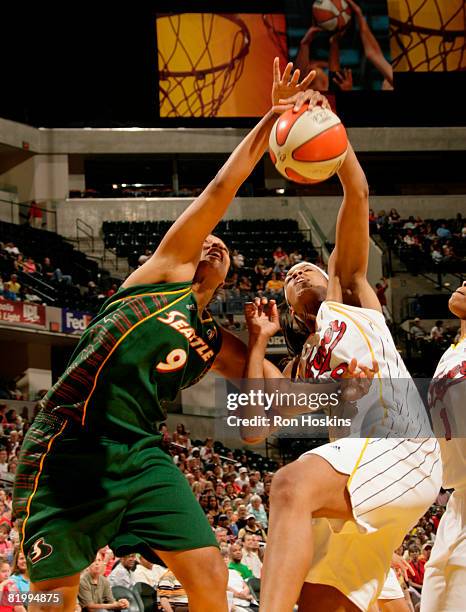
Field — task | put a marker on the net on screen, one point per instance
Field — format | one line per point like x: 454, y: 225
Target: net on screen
x: 191, y: 82
x: 428, y: 35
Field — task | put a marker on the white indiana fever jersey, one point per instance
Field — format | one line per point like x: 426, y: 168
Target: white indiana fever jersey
x: 447, y: 403
x: 393, y: 406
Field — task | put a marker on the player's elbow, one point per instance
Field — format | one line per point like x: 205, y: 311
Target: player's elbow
x: 252, y: 437
x: 361, y: 188
x: 251, y: 440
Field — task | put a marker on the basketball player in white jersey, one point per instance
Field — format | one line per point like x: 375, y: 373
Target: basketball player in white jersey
x: 444, y: 585
x: 343, y: 508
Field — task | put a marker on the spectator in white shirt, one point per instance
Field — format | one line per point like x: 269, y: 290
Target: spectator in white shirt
x: 122, y: 574
x: 250, y: 556
x: 3, y: 461
x: 243, y: 477
x: 207, y: 450
x: 436, y: 333
x: 238, y: 259
x: 148, y: 572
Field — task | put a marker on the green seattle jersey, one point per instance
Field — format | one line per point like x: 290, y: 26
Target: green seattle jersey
x: 146, y: 343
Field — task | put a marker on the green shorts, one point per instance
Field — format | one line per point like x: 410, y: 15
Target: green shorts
x: 76, y: 492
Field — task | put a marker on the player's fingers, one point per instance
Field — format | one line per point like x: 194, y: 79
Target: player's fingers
x: 249, y: 309
x: 286, y: 73
x: 295, y: 77
x: 276, y: 70
x: 375, y: 366
x: 300, y: 100
x: 352, y: 366
x: 308, y: 79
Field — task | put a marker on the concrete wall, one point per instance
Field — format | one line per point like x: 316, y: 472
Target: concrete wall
x: 224, y: 140
x: 41, y: 177
x: 215, y: 140
x: 323, y: 209
x: 94, y: 211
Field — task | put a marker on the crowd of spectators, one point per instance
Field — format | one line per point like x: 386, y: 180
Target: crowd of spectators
x: 426, y: 343
x: 245, y: 281
x: 24, y: 279
x: 423, y: 244
x: 232, y: 488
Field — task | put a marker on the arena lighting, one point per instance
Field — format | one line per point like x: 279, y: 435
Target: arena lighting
x: 123, y: 184
x: 280, y: 191
x: 137, y: 185
x: 114, y: 186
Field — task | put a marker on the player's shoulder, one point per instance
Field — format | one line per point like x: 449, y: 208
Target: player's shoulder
x: 165, y: 293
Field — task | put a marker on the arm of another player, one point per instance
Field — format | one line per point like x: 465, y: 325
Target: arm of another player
x: 347, y: 265
x: 372, y: 49
x: 231, y: 360
x: 177, y: 256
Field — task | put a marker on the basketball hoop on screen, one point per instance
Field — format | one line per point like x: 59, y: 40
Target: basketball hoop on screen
x: 198, y: 67
x: 427, y: 35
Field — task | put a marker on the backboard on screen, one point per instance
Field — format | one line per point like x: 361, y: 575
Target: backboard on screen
x: 217, y: 64
x: 428, y: 35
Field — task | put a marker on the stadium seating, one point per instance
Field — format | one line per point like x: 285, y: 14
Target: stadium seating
x: 39, y: 244
x: 253, y: 238
x: 417, y: 257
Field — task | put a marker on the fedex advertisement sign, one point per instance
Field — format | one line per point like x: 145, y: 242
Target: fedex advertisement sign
x: 74, y: 322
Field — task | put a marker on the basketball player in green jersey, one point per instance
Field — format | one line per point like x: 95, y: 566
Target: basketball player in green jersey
x: 91, y: 471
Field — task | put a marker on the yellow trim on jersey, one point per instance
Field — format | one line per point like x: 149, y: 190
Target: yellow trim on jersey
x: 121, y: 340
x: 36, y: 482
x: 362, y: 314
x: 460, y: 341
x: 361, y: 455
x: 129, y: 297
x: 364, y: 335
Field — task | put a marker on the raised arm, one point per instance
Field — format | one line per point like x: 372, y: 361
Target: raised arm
x: 347, y: 265
x: 372, y: 49
x: 177, y: 256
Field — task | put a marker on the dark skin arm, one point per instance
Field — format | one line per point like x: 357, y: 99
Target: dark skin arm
x: 170, y: 263
x: 347, y: 266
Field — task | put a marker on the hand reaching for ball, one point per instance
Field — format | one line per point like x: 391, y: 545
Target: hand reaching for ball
x: 310, y: 97
x: 287, y: 85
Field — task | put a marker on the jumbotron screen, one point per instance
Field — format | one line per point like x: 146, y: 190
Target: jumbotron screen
x: 217, y: 65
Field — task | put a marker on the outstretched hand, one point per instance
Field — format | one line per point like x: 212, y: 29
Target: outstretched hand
x: 358, y: 380
x: 262, y: 317
x: 288, y: 84
x: 344, y: 79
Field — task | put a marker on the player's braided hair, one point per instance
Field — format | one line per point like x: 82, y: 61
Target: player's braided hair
x: 294, y: 331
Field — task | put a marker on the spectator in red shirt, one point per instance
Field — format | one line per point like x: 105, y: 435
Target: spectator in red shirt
x: 417, y: 564
x: 380, y: 289
x: 35, y: 215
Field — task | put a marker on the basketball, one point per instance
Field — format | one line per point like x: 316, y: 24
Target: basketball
x: 308, y: 146
x: 331, y: 15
